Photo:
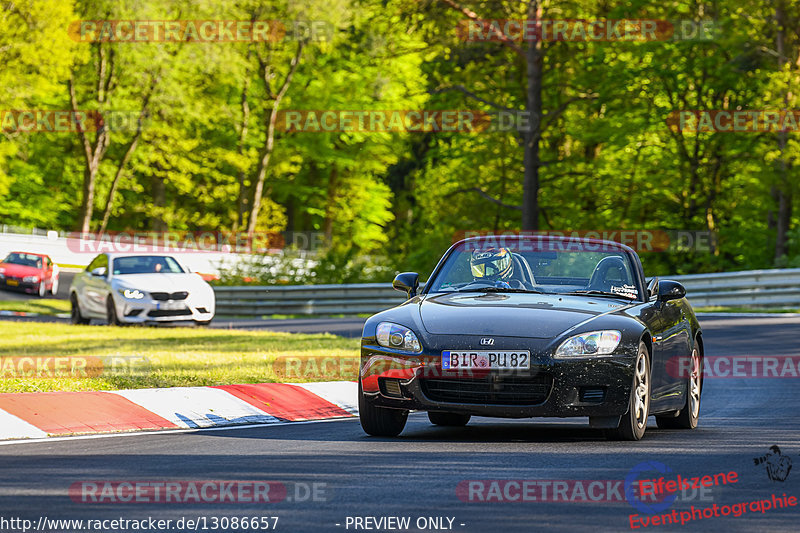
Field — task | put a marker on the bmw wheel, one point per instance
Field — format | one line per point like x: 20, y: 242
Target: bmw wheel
x: 633, y: 424
x: 75, y: 311
x: 111, y: 313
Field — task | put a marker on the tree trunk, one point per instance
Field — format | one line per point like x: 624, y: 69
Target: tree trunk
x: 531, y: 161
x: 269, y: 143
x: 241, y: 199
x: 784, y: 192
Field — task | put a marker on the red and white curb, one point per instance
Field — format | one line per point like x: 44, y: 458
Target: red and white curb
x: 56, y: 414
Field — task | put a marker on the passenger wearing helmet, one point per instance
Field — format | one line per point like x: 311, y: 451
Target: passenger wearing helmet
x: 493, y: 265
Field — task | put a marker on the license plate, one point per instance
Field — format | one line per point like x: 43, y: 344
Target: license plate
x: 12, y: 282
x: 172, y: 306
x: 488, y: 360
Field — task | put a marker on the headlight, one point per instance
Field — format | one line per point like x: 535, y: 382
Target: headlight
x: 591, y: 343
x: 398, y: 337
x: 132, y: 294
x: 31, y: 279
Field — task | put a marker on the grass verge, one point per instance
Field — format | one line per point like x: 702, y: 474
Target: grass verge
x: 718, y: 309
x: 43, y: 306
x: 142, y: 357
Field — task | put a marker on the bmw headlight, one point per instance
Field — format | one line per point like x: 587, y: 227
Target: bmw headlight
x: 132, y: 294
x: 591, y: 343
x: 398, y: 337
x: 31, y: 279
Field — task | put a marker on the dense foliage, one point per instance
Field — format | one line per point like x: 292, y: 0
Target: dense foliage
x: 198, y: 151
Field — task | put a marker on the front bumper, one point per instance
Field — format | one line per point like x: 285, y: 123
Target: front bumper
x: 597, y: 387
x: 147, y: 310
x: 19, y: 285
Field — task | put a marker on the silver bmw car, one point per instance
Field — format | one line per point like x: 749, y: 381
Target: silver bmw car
x: 141, y: 288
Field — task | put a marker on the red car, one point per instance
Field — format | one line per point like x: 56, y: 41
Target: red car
x: 29, y: 272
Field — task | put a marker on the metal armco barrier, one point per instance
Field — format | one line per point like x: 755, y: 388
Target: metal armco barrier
x: 752, y: 288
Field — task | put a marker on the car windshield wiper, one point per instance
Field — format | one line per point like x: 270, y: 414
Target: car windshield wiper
x: 592, y: 292
x: 502, y: 289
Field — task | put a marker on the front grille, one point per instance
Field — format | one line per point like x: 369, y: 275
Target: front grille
x: 169, y: 312
x: 498, y: 390
x: 164, y: 296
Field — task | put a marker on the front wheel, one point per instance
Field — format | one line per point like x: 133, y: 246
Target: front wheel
x: 448, y: 419
x: 689, y: 415
x: 633, y: 424
x: 111, y: 313
x: 75, y: 311
x: 42, y: 289
x: 54, y: 286
x: 378, y: 421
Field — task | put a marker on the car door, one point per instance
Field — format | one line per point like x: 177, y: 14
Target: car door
x: 674, y: 340
x: 47, y: 274
x: 95, y: 288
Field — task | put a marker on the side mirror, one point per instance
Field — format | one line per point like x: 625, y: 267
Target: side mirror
x: 670, y: 290
x: 407, y: 282
x: 99, y: 272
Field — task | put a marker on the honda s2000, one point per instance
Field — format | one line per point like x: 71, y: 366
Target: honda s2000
x: 534, y: 326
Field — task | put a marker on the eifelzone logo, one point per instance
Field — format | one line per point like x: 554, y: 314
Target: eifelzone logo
x: 487, y: 341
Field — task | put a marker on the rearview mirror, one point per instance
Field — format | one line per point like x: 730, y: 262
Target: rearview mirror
x: 100, y: 272
x: 670, y: 290
x: 407, y: 282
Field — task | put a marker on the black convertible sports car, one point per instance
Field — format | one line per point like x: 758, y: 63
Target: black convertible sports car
x: 534, y: 326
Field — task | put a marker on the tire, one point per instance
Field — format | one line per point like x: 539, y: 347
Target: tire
x: 42, y: 289
x: 378, y: 421
x: 633, y: 424
x: 75, y: 311
x: 689, y: 414
x: 54, y: 286
x: 448, y: 419
x: 111, y: 313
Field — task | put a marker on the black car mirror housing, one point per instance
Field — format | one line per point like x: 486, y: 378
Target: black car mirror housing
x: 670, y: 290
x: 407, y: 282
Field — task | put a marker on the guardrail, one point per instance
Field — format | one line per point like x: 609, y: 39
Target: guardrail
x: 753, y: 288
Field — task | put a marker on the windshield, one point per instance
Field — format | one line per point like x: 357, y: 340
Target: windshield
x: 146, y: 264
x: 24, y: 259
x: 528, y: 264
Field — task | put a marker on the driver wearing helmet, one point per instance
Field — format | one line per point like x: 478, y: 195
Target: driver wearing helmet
x: 494, y: 265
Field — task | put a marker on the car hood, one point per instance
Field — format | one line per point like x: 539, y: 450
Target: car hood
x: 512, y: 314
x: 12, y: 269
x: 160, y: 282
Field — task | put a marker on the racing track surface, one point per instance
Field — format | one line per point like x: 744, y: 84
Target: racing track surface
x: 417, y: 474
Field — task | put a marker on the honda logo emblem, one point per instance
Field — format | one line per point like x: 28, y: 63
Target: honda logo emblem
x: 488, y: 341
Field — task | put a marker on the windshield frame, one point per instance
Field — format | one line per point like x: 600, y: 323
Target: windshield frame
x: 632, y: 256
